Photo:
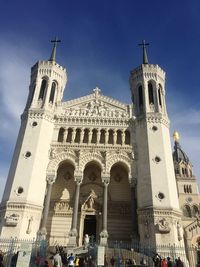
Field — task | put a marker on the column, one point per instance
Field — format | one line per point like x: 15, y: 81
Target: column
x: 73, y: 135
x: 134, y: 210
x: 123, y: 137
x: 104, y: 232
x: 106, y: 136
x: 114, y: 137
x: 90, y: 136
x: 50, y: 181
x: 73, y: 232
x: 81, y: 135
x: 98, y: 135
x: 65, y: 135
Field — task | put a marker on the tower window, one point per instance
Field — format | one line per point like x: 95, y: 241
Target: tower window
x: 42, y: 89
x: 34, y: 123
x: 140, y: 96
x: 150, y: 91
x: 20, y: 190
x: 52, y: 94
x: 159, y: 95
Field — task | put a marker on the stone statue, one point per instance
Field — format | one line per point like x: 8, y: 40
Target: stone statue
x: 90, y: 200
x: 179, y: 231
x: 28, y: 231
x: 86, y: 240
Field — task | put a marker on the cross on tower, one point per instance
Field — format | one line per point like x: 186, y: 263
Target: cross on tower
x: 145, y: 58
x: 53, y: 53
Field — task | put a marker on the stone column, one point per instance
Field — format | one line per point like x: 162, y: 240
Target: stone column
x: 114, y: 137
x: 50, y: 181
x: 106, y: 137
x: 73, y: 232
x: 98, y: 135
x: 123, y: 137
x: 104, y: 232
x: 65, y: 135
x: 90, y: 136
x: 73, y: 135
x: 134, y: 210
x: 81, y: 135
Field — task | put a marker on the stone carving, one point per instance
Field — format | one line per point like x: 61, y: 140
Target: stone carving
x: 90, y: 201
x: 28, y: 231
x: 61, y: 206
x: 12, y: 220
x: 163, y: 226
x: 96, y: 108
x: 179, y: 231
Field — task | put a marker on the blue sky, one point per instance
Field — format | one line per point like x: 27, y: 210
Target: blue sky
x: 99, y: 48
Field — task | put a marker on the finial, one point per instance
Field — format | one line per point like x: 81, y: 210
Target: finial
x: 145, y: 58
x: 176, y: 137
x: 53, y: 53
x: 97, y: 91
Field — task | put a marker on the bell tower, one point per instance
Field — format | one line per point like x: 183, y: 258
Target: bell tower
x: 23, y: 197
x: 159, y: 216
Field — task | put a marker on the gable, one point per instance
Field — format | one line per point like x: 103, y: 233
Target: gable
x: 95, y: 105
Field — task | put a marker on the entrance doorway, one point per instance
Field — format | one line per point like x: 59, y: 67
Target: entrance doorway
x: 90, y: 224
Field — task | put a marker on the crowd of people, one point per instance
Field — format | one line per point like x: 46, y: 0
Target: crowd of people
x: 167, y: 262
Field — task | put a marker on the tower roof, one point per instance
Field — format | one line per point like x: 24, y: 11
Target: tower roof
x: 178, y: 154
x: 53, y: 53
x: 145, y: 58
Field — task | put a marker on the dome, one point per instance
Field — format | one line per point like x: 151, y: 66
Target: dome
x: 178, y: 154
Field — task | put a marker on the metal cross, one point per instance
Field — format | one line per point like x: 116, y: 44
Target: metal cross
x: 145, y: 58
x: 55, y: 41
x: 143, y: 44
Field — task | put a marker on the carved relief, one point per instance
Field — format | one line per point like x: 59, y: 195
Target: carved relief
x: 163, y: 226
x: 89, y: 203
x: 179, y: 231
x: 12, y: 220
x: 61, y: 206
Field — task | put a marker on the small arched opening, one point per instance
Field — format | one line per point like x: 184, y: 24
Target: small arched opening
x: 61, y: 135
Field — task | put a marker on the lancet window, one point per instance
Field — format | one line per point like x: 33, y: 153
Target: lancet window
x: 150, y: 91
x: 52, y: 94
x: 42, y: 89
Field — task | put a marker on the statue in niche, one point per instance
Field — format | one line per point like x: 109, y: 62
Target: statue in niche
x: 163, y: 226
x: 28, y: 231
x: 89, y: 203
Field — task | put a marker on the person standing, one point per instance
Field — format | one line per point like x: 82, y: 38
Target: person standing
x: 112, y: 261
x: 164, y: 263
x: 71, y: 260
x: 57, y: 260
x: 169, y: 262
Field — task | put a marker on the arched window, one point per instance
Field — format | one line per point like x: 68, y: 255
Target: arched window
x: 69, y: 135
x: 127, y: 138
x: 78, y: 136
x: 52, y: 94
x: 102, y: 137
x: 119, y: 137
x: 94, y: 136
x: 187, y: 211
x: 159, y: 95
x: 61, y: 135
x: 86, y: 136
x: 140, y: 96
x: 110, y: 137
x: 42, y: 89
x: 150, y: 91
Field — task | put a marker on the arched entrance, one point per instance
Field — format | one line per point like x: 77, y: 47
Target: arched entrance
x: 119, y: 203
x: 61, y: 204
x: 91, y: 195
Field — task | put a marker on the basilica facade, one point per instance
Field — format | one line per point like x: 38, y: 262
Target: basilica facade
x: 96, y: 166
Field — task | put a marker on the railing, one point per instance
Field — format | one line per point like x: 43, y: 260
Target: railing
x: 10, y: 249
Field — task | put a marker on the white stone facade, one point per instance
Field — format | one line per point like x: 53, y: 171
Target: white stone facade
x: 93, y: 165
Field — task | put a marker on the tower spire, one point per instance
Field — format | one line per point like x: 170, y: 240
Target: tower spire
x: 53, y: 53
x: 145, y: 58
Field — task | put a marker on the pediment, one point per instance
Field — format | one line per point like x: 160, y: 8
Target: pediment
x: 95, y: 105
